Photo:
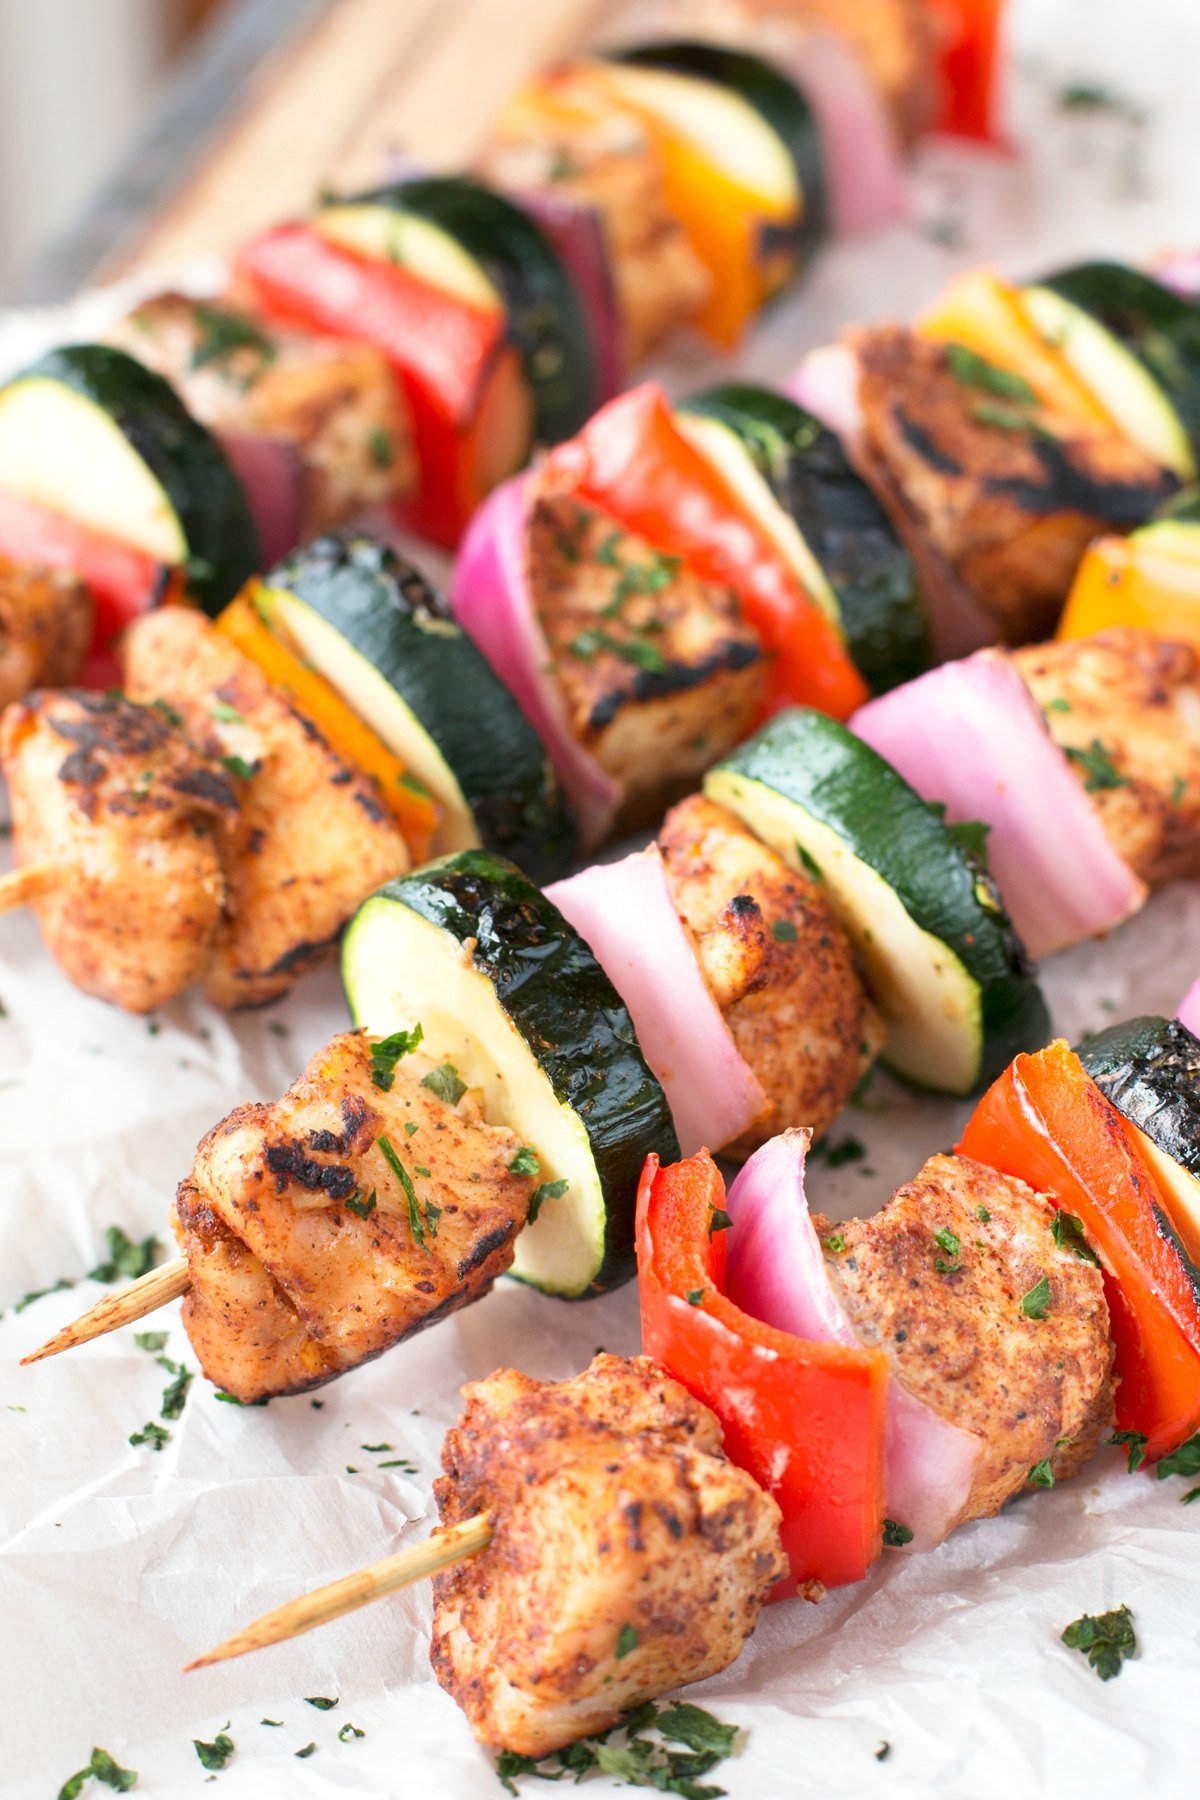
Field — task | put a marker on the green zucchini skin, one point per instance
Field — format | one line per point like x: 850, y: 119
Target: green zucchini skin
x: 1149, y: 1068
x: 1159, y: 327
x: 385, y: 608
x: 839, y: 518
x: 546, y: 320
x: 777, y: 99
x: 185, y: 459
x: 574, y: 1023
x: 815, y: 761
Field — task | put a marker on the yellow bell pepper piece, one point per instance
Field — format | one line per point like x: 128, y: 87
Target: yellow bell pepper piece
x: 1148, y: 580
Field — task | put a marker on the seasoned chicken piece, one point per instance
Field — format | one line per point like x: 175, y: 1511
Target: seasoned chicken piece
x: 122, y: 809
x: 312, y: 838
x: 895, y: 42
x: 1125, y: 706
x: 946, y: 1279
x: 629, y: 1555
x: 338, y: 403
x: 45, y: 628
x: 326, y: 1226
x: 778, y: 965
x: 1005, y: 497
x: 660, y: 673
x: 568, y: 135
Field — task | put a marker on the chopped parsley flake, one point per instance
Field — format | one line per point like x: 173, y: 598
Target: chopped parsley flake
x: 586, y: 645
x: 216, y: 1754
x: 629, y: 1755
x: 1041, y: 1475
x: 126, y: 1261
x: 308, y: 1750
x: 1096, y: 764
x: 720, y: 1220
x: 1134, y: 1445
x: 695, y: 1297
x: 627, y: 1640
x: 349, y: 1731
x: 895, y: 1534
x: 363, y: 1208
x: 525, y: 1162
x: 1068, y: 1234
x: 225, y: 714
x: 322, y: 1702
x: 222, y: 334
x: 445, y: 1082
x: 238, y: 765
x: 386, y: 1053
x: 1058, y: 704
x: 947, y: 1240
x: 834, y: 1243
x: 154, y: 1436
x: 379, y: 447
x: 982, y: 1214
x: 1105, y: 1640
x: 175, y: 1395
x: 975, y: 371
x: 783, y: 931
x: 153, y: 1341
x: 1184, y: 1461
x: 417, y: 1224
x: 549, y: 1190
x: 1003, y: 417
x: 103, y: 1768
x: 1036, y: 1303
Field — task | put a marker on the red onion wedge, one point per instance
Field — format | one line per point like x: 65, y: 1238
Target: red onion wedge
x: 777, y: 1273
x: 271, y: 472
x: 862, y: 156
x: 825, y: 382
x: 624, y: 911
x: 1189, y: 1009
x: 577, y: 233
x: 490, y: 598
x: 969, y: 735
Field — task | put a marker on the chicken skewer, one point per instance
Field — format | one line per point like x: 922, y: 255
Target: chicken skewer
x: 607, y: 1506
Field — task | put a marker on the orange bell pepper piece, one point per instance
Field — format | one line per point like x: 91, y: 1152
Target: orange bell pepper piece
x: 806, y: 1420
x: 409, y: 803
x: 1148, y: 580
x: 633, y: 462
x: 1045, y: 1121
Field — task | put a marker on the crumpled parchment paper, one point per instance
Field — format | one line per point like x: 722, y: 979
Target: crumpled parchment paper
x: 118, y: 1564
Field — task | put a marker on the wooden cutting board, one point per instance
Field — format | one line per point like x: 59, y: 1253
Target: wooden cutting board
x: 343, y: 87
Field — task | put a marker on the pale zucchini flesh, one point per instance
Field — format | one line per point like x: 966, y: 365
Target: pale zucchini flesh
x: 387, y: 234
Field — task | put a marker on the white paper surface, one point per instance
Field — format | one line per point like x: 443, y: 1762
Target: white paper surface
x: 117, y: 1564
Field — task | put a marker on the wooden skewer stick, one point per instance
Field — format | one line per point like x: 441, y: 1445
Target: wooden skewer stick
x: 28, y: 883
x: 145, y: 1295
x: 350, y: 1592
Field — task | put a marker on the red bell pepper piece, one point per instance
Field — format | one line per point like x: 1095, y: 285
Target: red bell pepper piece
x: 467, y: 396
x: 971, y: 57
x: 633, y: 462
x: 1046, y: 1122
x: 122, y: 580
x: 806, y: 1420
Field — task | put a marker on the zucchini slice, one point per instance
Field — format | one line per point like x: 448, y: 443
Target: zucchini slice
x: 794, y: 476
x: 508, y: 992
x: 1136, y: 345
x: 384, y: 638
x: 746, y: 113
x: 89, y: 432
x: 942, y: 961
x: 468, y: 240
x: 1149, y: 1068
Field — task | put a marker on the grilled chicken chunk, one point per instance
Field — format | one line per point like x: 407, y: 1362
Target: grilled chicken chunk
x: 310, y: 1252
x: 312, y: 838
x: 1030, y: 1388
x: 45, y: 628
x: 1125, y: 706
x: 569, y: 135
x: 777, y: 964
x: 338, y: 403
x: 995, y: 496
x: 125, y: 813
x: 629, y: 1555
x: 660, y: 674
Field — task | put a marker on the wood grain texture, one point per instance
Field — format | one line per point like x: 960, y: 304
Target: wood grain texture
x: 368, y: 79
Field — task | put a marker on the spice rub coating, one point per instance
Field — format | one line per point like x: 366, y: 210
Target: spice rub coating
x: 628, y: 1556
x: 324, y: 1227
